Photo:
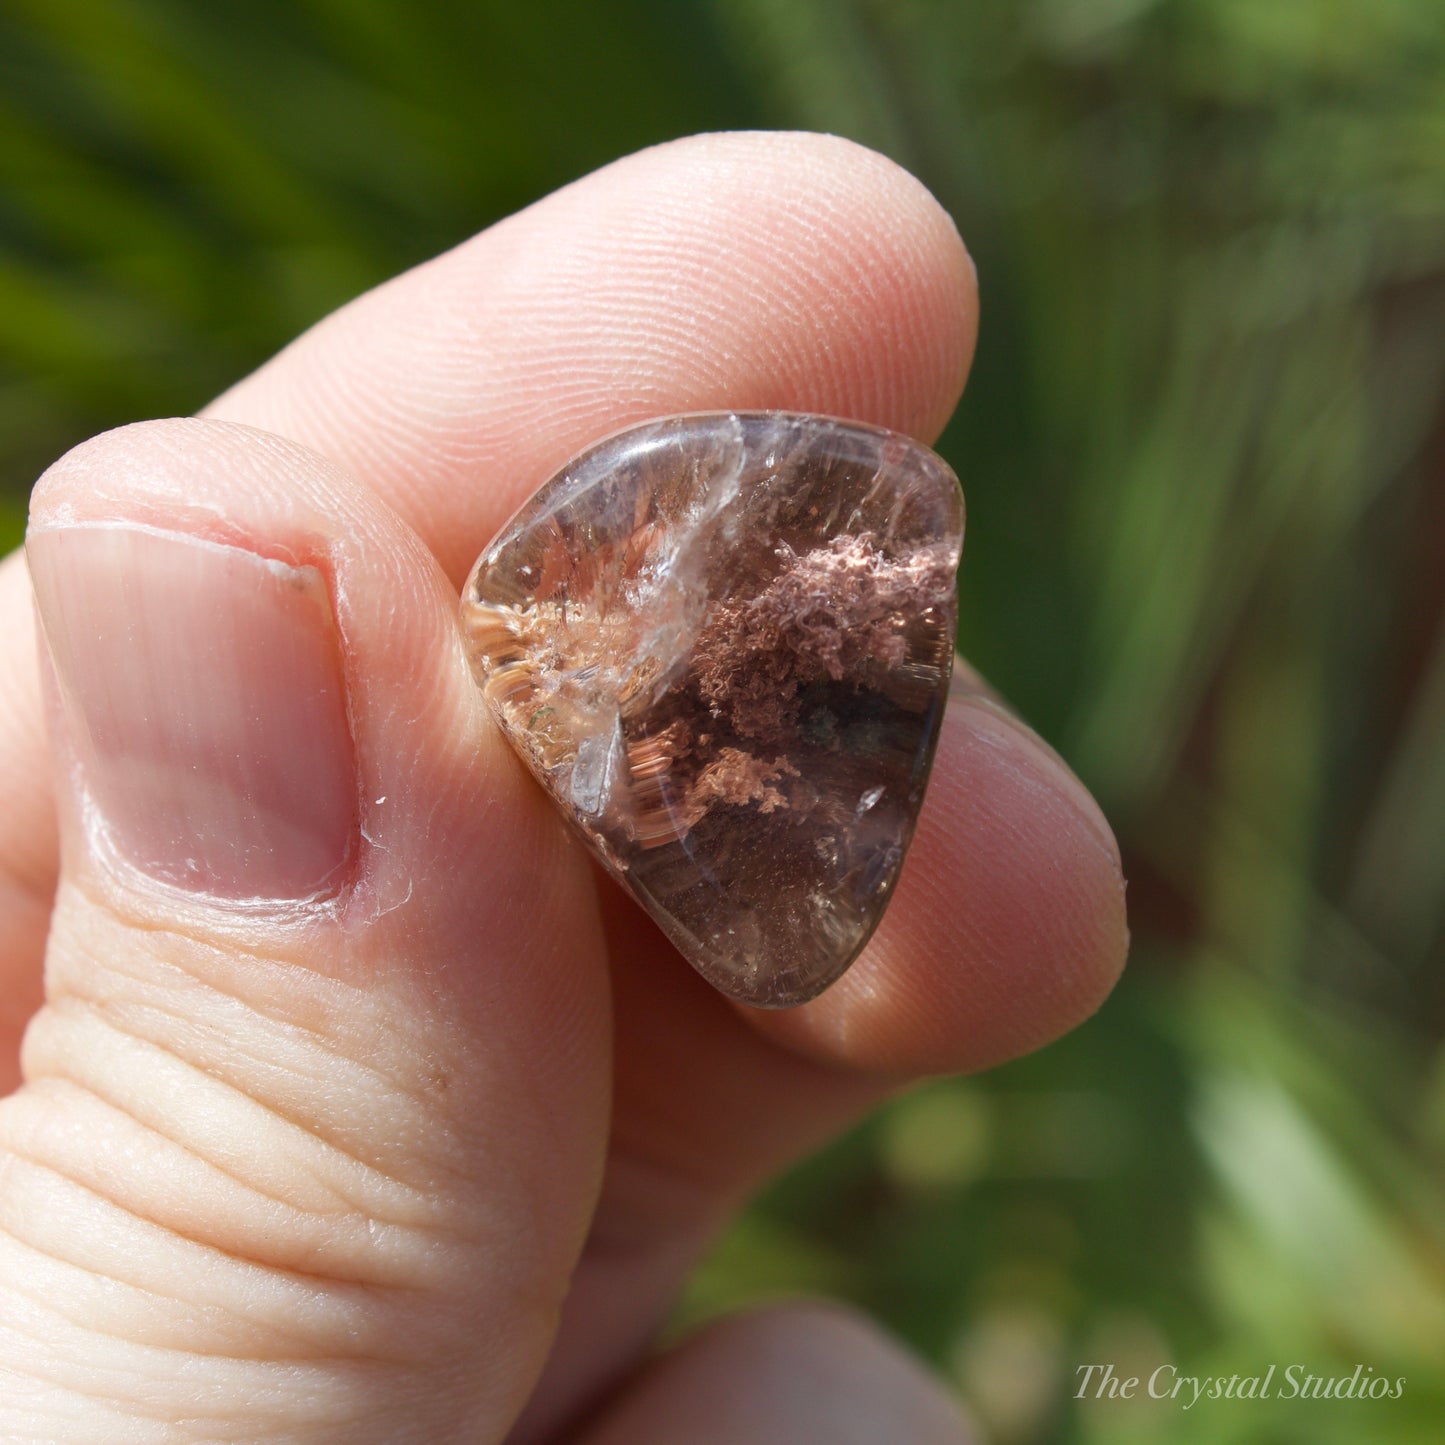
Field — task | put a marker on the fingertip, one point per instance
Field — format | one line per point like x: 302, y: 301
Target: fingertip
x: 270, y: 660
x: 911, y: 267
x: 824, y: 275
x: 798, y: 1371
x: 1009, y: 926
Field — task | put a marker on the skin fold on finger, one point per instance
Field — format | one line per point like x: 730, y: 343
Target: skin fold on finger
x: 740, y: 270
x: 781, y: 1376
x: 317, y: 1147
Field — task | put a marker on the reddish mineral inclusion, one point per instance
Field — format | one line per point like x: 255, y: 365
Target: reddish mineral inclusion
x: 722, y: 643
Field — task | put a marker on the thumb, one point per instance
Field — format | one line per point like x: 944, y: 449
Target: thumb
x: 314, y: 1112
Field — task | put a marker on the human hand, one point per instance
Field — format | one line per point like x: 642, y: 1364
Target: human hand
x: 361, y: 1106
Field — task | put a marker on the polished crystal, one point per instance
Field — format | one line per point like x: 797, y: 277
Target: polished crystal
x: 722, y: 643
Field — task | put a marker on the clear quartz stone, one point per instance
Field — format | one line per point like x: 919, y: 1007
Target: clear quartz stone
x: 722, y: 643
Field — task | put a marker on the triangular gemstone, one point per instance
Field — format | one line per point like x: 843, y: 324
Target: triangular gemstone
x: 723, y: 643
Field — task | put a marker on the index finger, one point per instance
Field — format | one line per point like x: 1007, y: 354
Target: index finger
x: 726, y: 271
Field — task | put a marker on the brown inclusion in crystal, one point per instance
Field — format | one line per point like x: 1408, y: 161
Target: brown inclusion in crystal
x: 722, y: 643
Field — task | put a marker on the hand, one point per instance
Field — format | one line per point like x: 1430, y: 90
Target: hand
x: 360, y: 1107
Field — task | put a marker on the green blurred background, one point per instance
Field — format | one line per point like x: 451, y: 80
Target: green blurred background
x: 1205, y: 462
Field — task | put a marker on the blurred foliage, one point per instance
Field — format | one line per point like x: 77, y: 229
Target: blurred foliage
x: 184, y: 187
x: 1205, y: 462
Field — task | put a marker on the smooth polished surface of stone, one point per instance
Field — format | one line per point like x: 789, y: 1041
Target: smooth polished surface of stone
x: 722, y: 643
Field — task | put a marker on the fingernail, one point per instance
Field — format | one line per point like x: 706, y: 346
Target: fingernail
x: 969, y: 694
x: 202, y: 691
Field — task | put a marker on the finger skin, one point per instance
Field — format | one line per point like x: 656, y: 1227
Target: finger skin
x: 748, y: 270
x: 322, y: 1162
x: 779, y: 1376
